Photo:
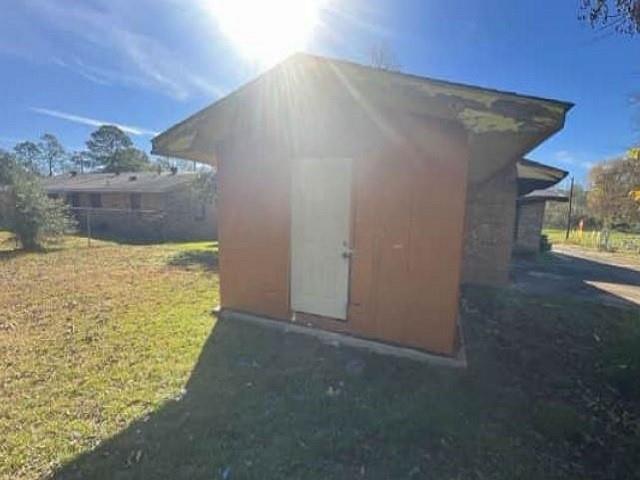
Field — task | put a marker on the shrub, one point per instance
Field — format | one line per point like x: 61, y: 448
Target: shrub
x: 34, y: 218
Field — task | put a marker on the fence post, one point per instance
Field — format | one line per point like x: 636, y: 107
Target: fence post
x: 88, y: 227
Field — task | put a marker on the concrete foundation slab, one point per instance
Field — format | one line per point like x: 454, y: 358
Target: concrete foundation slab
x: 338, y: 339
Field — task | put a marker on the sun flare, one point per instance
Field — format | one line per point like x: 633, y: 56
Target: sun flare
x: 267, y: 31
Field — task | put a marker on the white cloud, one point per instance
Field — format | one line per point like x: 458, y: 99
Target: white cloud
x: 564, y: 156
x: 93, y: 122
x: 109, y: 47
x: 92, y: 74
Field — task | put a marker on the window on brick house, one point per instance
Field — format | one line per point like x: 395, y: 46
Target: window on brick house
x: 95, y: 199
x: 201, y: 212
x: 74, y: 200
x: 136, y: 201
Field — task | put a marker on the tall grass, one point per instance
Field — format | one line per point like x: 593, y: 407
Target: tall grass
x: 613, y: 241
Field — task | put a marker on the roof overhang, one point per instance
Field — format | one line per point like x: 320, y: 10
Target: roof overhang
x: 537, y: 176
x: 537, y: 196
x: 126, y: 182
x: 305, y: 96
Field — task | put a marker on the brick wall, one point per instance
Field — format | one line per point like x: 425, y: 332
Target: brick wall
x: 530, y: 217
x: 177, y: 215
x: 187, y: 217
x: 489, y: 229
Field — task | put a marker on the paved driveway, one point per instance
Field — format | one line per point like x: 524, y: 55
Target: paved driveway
x: 587, y: 274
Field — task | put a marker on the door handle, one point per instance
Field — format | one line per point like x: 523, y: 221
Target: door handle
x: 348, y: 253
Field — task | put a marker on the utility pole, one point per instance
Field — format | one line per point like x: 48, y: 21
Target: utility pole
x: 570, y: 206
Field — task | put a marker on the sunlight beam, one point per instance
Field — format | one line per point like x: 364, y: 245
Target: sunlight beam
x: 267, y: 31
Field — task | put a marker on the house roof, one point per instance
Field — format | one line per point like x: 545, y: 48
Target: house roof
x: 543, y: 196
x: 537, y: 176
x: 306, y: 94
x: 133, y: 182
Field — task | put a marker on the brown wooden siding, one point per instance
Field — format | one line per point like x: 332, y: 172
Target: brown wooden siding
x: 253, y: 229
x: 408, y: 218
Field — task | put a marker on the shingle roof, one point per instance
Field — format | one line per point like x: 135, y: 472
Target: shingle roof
x: 544, y: 195
x: 536, y: 176
x: 137, y: 182
x: 310, y: 100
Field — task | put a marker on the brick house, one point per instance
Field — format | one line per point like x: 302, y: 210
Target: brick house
x: 137, y: 205
x: 502, y: 219
x: 529, y: 219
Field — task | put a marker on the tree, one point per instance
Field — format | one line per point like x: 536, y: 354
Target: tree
x: 8, y: 168
x: 555, y: 213
x: 621, y: 15
x: 33, y: 217
x: 52, y: 153
x: 80, y: 160
x: 205, y: 186
x: 29, y: 155
x: 166, y: 163
x: 111, y: 150
x: 105, y: 143
x: 610, y: 196
x: 382, y: 56
x: 127, y: 160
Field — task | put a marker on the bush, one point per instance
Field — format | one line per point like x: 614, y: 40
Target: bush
x: 34, y: 218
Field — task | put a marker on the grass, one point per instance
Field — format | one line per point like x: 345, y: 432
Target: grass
x: 111, y: 366
x: 618, y: 241
x: 90, y: 339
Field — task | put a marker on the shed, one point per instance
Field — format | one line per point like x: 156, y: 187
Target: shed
x: 342, y: 192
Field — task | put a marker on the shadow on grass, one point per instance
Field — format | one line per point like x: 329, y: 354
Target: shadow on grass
x: 107, y: 236
x: 8, y: 254
x: 141, y: 239
x: 263, y: 404
x: 199, y: 258
x: 559, y: 274
x: 266, y: 405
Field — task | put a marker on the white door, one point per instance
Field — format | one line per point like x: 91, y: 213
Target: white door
x: 320, y: 219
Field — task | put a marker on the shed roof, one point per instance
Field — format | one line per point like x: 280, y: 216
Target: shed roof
x: 133, y: 182
x: 502, y: 126
x: 537, y: 176
x: 543, y: 196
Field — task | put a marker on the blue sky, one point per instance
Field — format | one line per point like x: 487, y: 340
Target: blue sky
x: 67, y: 65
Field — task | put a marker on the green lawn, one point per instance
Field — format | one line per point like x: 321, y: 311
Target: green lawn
x: 92, y: 338
x: 618, y: 241
x: 111, y: 366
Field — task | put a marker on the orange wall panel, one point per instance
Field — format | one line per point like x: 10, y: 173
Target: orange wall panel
x: 254, y: 233
x: 408, y: 217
